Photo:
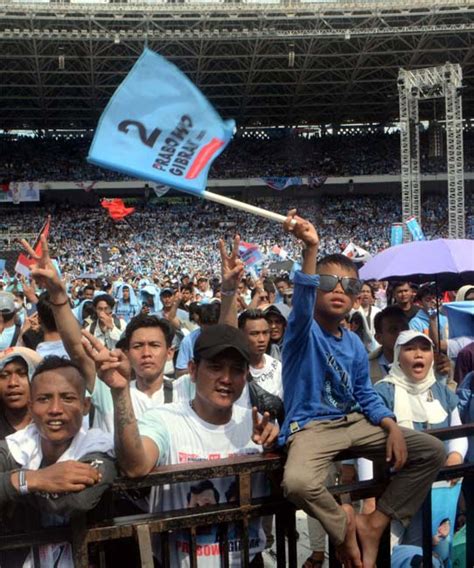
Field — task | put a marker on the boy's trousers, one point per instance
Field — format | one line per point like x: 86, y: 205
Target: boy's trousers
x: 312, y: 449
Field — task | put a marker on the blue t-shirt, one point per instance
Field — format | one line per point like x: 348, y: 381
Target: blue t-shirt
x: 186, y: 349
x: 324, y: 377
x: 421, y: 323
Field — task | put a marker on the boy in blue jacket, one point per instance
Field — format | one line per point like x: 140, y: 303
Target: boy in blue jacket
x: 331, y: 406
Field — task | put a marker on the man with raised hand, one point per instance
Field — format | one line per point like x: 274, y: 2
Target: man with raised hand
x: 210, y: 426
x: 263, y: 389
x: 147, y: 347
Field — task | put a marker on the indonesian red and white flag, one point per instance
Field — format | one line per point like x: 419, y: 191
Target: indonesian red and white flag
x: 24, y: 262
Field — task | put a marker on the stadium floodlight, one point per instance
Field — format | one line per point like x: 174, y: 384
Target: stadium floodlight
x: 423, y: 84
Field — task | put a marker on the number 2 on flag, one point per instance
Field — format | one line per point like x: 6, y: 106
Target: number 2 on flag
x: 142, y: 133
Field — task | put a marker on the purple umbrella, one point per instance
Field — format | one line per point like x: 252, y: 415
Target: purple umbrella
x: 450, y: 262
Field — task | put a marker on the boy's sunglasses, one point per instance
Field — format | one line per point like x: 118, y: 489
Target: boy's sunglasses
x: 328, y: 282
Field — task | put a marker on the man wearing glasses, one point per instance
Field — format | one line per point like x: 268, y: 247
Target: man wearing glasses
x: 331, y: 407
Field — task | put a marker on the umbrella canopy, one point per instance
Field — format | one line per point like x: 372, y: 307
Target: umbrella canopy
x: 448, y: 261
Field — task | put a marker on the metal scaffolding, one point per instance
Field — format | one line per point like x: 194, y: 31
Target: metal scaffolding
x: 423, y: 84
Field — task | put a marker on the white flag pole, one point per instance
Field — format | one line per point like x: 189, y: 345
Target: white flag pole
x: 222, y: 200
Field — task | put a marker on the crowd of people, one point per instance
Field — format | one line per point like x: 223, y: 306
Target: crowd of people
x: 176, y: 354
x: 43, y: 158
x: 157, y: 237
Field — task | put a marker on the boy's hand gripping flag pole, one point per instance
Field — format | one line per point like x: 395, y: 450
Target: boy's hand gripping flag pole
x: 158, y: 126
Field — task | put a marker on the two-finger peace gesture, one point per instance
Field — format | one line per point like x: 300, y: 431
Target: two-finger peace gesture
x: 112, y: 367
x: 264, y: 431
x: 232, y: 268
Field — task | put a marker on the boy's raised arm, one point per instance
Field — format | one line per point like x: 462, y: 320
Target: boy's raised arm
x: 305, y: 231
x: 304, y: 295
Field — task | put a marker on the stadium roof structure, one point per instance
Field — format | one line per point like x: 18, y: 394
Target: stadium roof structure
x: 288, y: 62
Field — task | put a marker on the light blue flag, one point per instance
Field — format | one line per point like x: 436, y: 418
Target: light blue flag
x: 396, y: 234
x: 415, y: 229
x: 460, y: 318
x: 3, y: 263
x: 158, y: 126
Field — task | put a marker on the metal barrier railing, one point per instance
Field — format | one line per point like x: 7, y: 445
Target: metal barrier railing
x: 143, y: 527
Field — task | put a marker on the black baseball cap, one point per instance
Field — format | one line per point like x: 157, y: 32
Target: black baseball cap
x: 215, y: 339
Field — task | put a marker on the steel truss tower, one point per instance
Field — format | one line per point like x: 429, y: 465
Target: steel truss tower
x: 422, y: 84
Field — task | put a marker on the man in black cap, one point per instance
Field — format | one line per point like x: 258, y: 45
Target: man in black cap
x: 208, y: 427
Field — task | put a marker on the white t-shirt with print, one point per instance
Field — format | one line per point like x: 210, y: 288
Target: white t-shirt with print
x: 104, y: 406
x: 269, y: 376
x: 182, y: 437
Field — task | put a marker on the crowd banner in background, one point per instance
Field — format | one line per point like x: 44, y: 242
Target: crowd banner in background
x: 160, y: 189
x: 415, y: 229
x: 396, y: 234
x: 18, y: 191
x: 158, y: 126
x: 87, y: 186
x: 281, y: 183
x: 316, y: 181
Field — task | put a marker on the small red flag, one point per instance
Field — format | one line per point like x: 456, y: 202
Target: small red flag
x: 24, y: 262
x: 117, y: 208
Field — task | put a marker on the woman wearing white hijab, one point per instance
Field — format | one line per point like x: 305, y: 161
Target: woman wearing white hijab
x: 417, y: 399
x: 419, y: 402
